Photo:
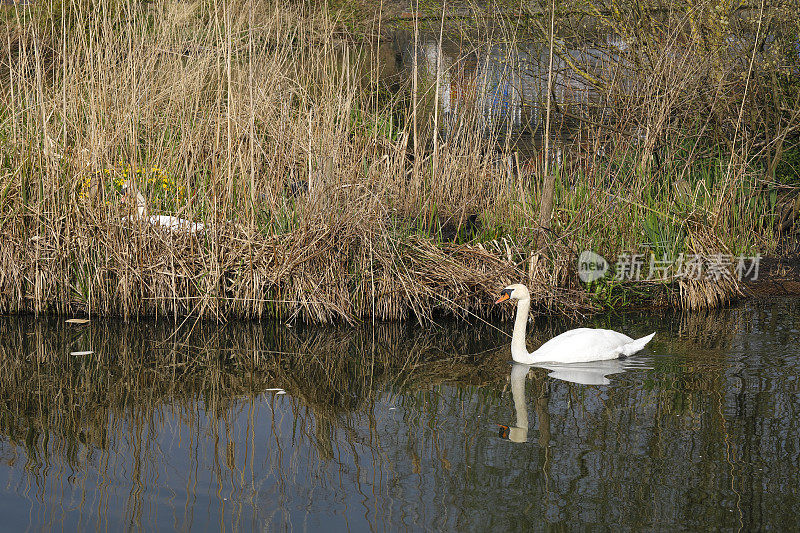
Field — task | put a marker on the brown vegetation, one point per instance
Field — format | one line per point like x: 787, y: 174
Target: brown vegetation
x: 324, y: 188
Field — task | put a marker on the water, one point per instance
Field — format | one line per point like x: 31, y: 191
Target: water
x: 395, y: 427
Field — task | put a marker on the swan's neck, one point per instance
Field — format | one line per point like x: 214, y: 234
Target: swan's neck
x: 141, y: 204
x: 519, y: 352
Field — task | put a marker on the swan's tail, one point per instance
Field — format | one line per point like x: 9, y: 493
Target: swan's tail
x: 635, y: 346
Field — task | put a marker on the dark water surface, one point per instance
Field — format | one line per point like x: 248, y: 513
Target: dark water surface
x: 395, y: 427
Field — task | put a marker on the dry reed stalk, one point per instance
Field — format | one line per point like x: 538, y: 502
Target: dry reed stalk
x: 546, y: 206
x: 706, y: 292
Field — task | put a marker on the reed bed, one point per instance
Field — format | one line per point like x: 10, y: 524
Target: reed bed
x: 326, y: 185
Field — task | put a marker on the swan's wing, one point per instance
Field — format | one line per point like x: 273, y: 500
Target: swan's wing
x: 582, y: 345
x: 175, y: 223
x: 163, y: 221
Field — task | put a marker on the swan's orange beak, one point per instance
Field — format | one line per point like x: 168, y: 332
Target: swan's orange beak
x: 504, y: 295
x: 504, y: 431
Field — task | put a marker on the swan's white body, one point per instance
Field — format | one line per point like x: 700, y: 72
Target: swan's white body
x: 580, y: 345
x: 168, y: 222
x: 175, y: 224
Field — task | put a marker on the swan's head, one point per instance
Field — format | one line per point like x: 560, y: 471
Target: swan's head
x: 514, y: 292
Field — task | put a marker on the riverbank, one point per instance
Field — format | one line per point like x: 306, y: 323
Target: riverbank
x: 331, y: 274
x: 287, y: 167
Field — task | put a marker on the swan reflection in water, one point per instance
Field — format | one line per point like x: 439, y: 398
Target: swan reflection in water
x: 518, y: 432
x: 593, y: 373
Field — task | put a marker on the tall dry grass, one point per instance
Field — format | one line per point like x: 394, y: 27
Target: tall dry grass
x: 323, y: 184
x: 256, y: 119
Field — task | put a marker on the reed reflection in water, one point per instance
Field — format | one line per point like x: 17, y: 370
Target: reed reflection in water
x: 394, y: 427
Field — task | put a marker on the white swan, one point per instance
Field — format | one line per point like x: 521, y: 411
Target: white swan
x: 574, y: 346
x: 174, y: 224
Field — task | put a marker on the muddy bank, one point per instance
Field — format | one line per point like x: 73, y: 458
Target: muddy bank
x: 776, y: 277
